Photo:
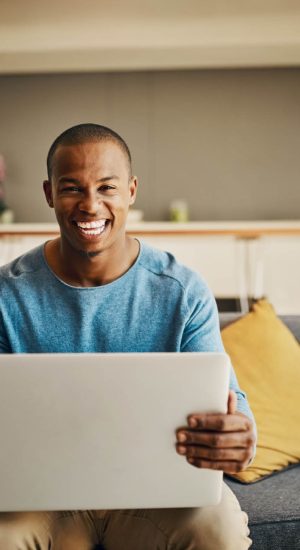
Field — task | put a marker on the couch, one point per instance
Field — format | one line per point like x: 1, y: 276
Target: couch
x: 273, y: 503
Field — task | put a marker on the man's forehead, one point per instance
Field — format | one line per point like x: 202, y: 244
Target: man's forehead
x: 88, y: 154
x: 89, y: 148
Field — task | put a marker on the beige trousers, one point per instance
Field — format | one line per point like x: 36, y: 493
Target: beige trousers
x: 222, y: 527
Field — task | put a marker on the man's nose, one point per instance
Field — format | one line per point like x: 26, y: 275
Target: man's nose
x: 90, y: 203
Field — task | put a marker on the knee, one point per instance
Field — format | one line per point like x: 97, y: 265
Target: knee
x: 24, y: 531
x: 221, y: 527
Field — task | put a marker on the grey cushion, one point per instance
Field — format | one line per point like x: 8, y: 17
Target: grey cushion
x: 293, y: 323
x: 273, y: 507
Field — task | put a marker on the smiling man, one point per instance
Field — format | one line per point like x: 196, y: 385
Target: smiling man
x: 95, y: 289
x: 91, y: 187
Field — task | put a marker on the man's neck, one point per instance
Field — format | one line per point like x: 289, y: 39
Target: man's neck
x: 83, y: 270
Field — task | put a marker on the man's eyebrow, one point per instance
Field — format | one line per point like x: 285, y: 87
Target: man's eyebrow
x: 108, y: 178
x: 67, y: 179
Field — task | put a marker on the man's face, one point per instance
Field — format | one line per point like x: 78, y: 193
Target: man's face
x: 91, y: 191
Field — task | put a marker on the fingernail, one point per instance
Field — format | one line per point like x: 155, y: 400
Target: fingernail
x: 192, y: 422
x: 191, y: 460
x: 181, y: 450
x: 181, y: 437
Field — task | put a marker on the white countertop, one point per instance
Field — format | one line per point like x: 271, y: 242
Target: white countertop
x: 243, y: 228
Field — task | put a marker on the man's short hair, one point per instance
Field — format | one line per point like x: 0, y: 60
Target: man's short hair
x: 84, y: 133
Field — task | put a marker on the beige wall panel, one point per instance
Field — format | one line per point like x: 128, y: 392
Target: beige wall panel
x: 226, y: 141
x: 130, y: 100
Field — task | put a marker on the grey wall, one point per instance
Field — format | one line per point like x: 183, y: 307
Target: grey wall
x: 225, y: 140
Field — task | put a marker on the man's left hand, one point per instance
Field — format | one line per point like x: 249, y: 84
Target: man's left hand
x: 218, y: 441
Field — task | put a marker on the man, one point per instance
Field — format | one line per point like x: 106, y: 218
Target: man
x: 95, y: 289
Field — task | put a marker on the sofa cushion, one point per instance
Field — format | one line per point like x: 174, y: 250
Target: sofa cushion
x: 266, y: 358
x: 273, y: 507
x: 291, y: 321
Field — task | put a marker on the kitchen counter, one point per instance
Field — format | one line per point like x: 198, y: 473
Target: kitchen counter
x: 241, y: 229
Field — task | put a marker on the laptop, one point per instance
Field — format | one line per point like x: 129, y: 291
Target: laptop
x: 97, y: 431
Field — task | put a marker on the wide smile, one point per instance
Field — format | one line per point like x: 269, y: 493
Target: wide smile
x: 93, y: 229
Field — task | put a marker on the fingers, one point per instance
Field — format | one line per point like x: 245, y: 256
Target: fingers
x: 216, y: 439
x: 232, y: 402
x: 204, y: 453
x: 220, y: 422
x: 229, y: 467
x: 229, y: 460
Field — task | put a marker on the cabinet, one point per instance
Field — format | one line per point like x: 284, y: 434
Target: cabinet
x: 239, y: 260
x: 278, y: 260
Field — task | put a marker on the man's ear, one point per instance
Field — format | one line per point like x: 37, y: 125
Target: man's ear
x: 133, y: 184
x: 48, y: 192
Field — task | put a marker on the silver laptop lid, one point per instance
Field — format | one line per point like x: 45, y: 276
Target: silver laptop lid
x: 97, y: 431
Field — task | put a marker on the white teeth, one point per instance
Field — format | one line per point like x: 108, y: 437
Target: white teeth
x: 92, y: 228
x: 93, y: 231
x: 90, y: 225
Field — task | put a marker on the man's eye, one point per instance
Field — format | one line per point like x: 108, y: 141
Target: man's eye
x: 106, y: 188
x: 71, y: 189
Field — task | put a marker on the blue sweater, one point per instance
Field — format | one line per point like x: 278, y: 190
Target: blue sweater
x: 158, y: 305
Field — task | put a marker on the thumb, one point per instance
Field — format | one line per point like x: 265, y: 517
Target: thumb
x: 232, y: 402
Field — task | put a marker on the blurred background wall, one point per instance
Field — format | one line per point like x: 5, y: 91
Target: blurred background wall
x: 227, y: 141
x: 207, y: 96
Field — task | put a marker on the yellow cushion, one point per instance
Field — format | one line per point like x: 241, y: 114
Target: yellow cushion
x: 266, y: 359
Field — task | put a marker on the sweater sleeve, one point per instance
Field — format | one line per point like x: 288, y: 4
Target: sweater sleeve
x: 4, y: 345
x: 202, y: 333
